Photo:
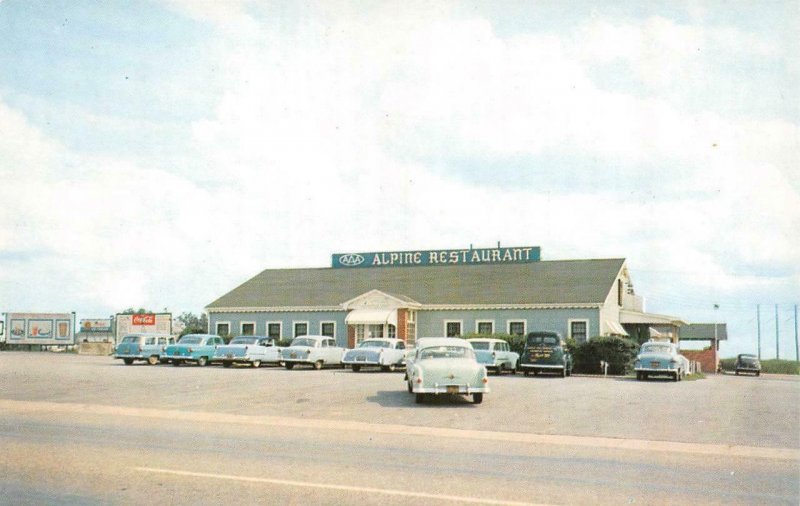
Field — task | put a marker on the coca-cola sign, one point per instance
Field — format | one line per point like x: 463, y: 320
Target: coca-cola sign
x: 144, y: 319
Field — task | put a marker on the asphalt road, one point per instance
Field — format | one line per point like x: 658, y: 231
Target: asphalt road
x: 89, y: 430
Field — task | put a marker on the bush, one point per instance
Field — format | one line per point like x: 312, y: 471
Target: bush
x: 771, y: 366
x: 515, y: 342
x: 617, y: 351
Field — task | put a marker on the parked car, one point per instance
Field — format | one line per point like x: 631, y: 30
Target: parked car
x: 386, y: 353
x: 148, y: 347
x: 546, y: 352
x: 197, y: 348
x: 748, y: 363
x: 251, y: 350
x: 446, y: 365
x: 317, y: 351
x: 660, y: 358
x: 495, y: 354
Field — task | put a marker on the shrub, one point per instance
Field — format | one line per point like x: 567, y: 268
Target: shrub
x: 515, y: 342
x: 617, y: 351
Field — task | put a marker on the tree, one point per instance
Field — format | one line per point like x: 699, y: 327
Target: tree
x: 141, y: 310
x: 193, y: 324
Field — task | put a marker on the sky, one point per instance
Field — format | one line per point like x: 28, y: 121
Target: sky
x: 158, y: 154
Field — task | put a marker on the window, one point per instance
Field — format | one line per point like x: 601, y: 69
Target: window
x: 516, y: 327
x: 484, y: 327
x: 274, y: 330
x: 328, y: 329
x: 223, y: 328
x: 375, y: 331
x: 452, y: 328
x: 392, y: 331
x: 248, y: 329
x: 359, y: 333
x: 150, y: 340
x: 579, y: 330
x: 300, y: 329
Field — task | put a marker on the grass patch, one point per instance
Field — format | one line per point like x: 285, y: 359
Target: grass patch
x: 771, y: 366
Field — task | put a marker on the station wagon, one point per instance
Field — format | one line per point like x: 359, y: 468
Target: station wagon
x: 147, y: 347
x: 495, y: 354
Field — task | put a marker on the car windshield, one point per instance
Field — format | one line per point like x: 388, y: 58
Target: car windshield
x: 480, y: 345
x: 375, y: 343
x: 446, y: 352
x: 304, y: 341
x: 130, y: 339
x: 747, y: 357
x: 656, y: 348
x: 244, y: 340
x: 191, y: 340
x: 551, y: 340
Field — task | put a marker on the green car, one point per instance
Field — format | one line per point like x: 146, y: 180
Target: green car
x: 546, y: 352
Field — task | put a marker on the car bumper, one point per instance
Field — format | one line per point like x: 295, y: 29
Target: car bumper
x: 135, y: 357
x: 179, y: 357
x: 748, y: 369
x: 451, y: 389
x: 540, y: 366
x: 656, y: 371
x: 362, y: 362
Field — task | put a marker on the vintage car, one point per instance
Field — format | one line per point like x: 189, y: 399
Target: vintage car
x: 546, y: 352
x: 495, y: 354
x: 197, y: 348
x: 660, y: 358
x: 148, y: 347
x: 317, y: 351
x: 446, y: 365
x: 386, y: 353
x: 748, y: 363
x: 250, y: 350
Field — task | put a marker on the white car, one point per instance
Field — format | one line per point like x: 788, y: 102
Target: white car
x: 446, y: 365
x: 495, y: 354
x: 252, y: 350
x: 386, y: 353
x: 316, y: 351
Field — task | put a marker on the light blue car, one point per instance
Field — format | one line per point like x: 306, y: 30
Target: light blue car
x: 495, y: 354
x: 660, y: 358
x: 197, y: 348
x: 249, y: 350
x: 446, y: 365
x: 147, y: 347
x: 386, y: 353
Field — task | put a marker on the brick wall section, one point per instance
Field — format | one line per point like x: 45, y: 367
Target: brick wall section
x: 402, y: 319
x: 708, y: 359
x: 351, y: 336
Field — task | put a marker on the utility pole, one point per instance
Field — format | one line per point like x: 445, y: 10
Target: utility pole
x: 758, y: 319
x: 796, y: 344
x: 777, y: 334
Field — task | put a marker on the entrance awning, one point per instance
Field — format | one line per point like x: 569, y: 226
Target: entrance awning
x: 371, y: 317
x: 616, y: 328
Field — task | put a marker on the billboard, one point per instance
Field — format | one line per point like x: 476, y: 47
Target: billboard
x: 143, y: 323
x: 40, y: 328
x: 96, y: 325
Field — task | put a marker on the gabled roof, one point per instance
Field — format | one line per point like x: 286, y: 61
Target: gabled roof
x: 561, y: 282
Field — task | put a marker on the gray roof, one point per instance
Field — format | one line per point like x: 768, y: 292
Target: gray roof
x: 545, y: 282
x: 704, y: 331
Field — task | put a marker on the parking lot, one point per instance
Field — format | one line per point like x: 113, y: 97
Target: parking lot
x: 718, y: 439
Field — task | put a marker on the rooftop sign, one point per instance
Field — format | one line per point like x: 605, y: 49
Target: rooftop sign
x: 513, y: 255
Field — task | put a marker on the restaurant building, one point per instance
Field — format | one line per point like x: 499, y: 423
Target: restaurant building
x: 413, y: 294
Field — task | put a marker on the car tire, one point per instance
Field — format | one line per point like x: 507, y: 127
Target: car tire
x: 355, y: 368
x: 288, y: 366
x: 202, y: 361
x: 227, y: 363
x: 419, y: 398
x: 128, y: 361
x: 256, y: 364
x: 477, y: 398
x: 676, y: 376
x: 758, y: 373
x: 176, y: 363
x: 318, y: 365
x: 527, y: 372
x: 391, y: 367
x: 737, y: 372
x: 513, y: 369
x: 152, y: 359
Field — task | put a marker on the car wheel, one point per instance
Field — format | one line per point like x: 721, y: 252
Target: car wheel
x: 318, y: 365
x: 536, y: 372
x: 513, y: 370
x: 419, y: 398
x: 202, y: 361
x: 737, y: 372
x: 289, y: 366
x: 676, y: 376
x: 392, y: 367
x: 256, y: 364
x: 355, y: 367
x: 477, y: 398
x: 176, y: 363
x: 152, y: 359
x: 227, y: 363
x: 500, y: 369
x: 128, y: 361
x: 758, y: 373
x: 527, y: 372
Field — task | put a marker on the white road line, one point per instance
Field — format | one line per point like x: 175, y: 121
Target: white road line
x: 724, y: 450
x: 344, y: 488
